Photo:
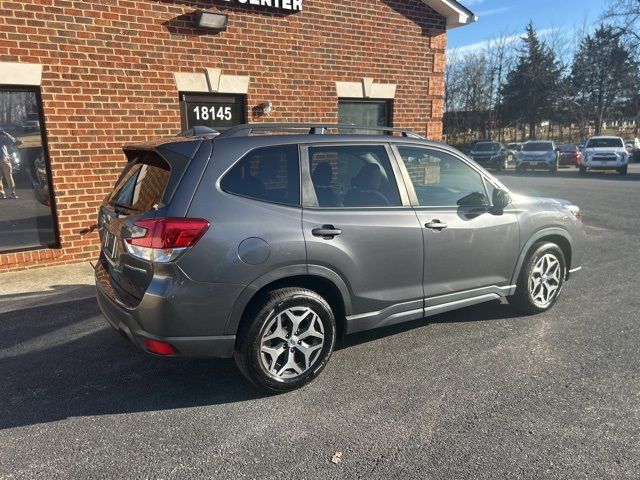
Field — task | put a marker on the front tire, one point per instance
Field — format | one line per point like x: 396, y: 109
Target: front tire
x: 583, y: 170
x: 285, y: 339
x: 541, y: 279
x: 623, y: 170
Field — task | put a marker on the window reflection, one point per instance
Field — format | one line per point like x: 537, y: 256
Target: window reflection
x: 26, y: 219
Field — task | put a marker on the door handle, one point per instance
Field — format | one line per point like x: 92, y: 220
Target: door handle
x: 327, y: 232
x: 436, y: 225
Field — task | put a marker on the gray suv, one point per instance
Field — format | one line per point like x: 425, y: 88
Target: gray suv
x: 269, y: 242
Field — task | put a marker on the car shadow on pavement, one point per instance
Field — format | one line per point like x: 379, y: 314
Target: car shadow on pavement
x: 63, y: 361
x: 41, y: 296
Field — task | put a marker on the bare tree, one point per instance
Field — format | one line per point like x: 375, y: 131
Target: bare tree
x: 624, y: 17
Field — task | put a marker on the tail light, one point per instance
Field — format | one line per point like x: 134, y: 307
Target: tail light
x: 159, y: 348
x: 164, y: 239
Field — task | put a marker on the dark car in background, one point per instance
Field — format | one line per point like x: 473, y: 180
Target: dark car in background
x: 537, y: 154
x: 490, y: 155
x: 266, y: 245
x: 31, y: 123
x: 569, y: 155
x: 633, y: 147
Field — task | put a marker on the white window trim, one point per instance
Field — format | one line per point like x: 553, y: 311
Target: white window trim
x: 366, y: 88
x: 211, y: 80
x: 28, y: 74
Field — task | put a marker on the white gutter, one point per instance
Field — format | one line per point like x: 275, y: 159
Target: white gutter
x: 457, y: 15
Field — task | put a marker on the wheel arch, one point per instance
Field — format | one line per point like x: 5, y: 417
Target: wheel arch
x: 321, y: 280
x: 558, y: 236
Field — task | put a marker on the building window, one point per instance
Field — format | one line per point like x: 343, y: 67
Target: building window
x: 212, y: 110
x: 371, y: 113
x: 27, y: 213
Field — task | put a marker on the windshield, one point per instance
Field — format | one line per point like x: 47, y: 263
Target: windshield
x: 604, y: 143
x: 486, y: 147
x: 567, y: 148
x: 537, y: 147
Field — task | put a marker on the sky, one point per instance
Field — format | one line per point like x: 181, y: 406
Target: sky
x: 510, y: 17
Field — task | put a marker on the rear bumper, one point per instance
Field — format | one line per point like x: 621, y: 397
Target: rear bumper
x: 124, y: 320
x: 568, y: 162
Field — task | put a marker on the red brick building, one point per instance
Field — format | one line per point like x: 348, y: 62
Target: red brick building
x: 78, y: 79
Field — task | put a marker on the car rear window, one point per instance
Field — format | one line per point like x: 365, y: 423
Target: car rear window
x: 270, y: 174
x: 141, y: 186
x: 605, y: 143
x: 567, y: 148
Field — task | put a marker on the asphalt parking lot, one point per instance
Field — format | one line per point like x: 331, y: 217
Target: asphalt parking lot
x: 478, y: 393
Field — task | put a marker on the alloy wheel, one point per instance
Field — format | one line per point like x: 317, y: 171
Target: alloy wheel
x: 545, y: 280
x: 292, y: 342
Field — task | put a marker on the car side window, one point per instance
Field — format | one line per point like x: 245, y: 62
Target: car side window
x: 441, y: 179
x: 353, y: 176
x: 270, y: 174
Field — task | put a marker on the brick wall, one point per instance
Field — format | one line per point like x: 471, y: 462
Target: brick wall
x: 108, y: 78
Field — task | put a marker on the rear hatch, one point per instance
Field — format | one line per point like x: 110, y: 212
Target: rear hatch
x: 144, y: 191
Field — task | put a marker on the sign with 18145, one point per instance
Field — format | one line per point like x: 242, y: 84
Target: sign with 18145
x: 217, y: 112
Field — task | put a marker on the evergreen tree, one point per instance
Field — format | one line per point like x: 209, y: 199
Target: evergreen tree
x: 530, y: 91
x: 604, y: 75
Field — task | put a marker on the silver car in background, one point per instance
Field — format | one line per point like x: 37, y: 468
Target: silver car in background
x: 537, y: 154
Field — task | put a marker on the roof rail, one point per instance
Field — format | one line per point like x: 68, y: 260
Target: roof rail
x: 313, y: 129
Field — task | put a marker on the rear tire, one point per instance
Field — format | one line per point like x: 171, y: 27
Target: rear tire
x: 583, y: 170
x: 541, y: 279
x: 285, y: 339
x: 623, y: 170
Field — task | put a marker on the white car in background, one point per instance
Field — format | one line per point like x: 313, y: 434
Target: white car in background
x: 605, y: 153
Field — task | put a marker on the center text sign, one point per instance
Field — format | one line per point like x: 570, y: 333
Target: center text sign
x: 291, y: 5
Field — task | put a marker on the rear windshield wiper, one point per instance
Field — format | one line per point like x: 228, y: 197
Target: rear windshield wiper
x: 121, y: 208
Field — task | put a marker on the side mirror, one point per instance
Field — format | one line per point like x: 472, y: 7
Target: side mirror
x: 500, y: 200
x: 474, y: 199
x: 18, y: 143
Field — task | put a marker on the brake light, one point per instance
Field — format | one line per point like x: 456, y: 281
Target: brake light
x: 164, y: 239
